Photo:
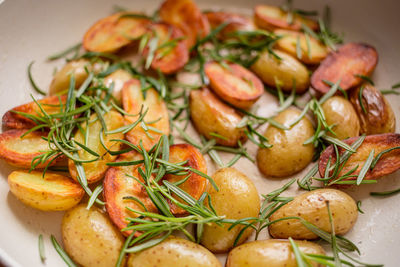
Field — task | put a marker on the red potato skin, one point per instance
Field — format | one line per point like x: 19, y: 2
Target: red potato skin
x: 349, y: 60
x: 236, y: 22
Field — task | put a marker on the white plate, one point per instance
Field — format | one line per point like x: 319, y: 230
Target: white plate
x: 32, y: 30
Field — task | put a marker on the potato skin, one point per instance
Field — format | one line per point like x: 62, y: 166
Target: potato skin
x: 174, y: 252
x: 54, y: 192
x: 90, y: 238
x: 211, y: 115
x: 271, y: 253
x: 311, y: 206
x: 237, y: 198
x: 379, y: 117
x: 288, y: 155
x: 272, y: 70
x: 340, y: 112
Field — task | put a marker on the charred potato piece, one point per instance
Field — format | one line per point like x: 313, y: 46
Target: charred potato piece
x: 185, y: 15
x: 272, y: 17
x: 211, y: 116
x: 234, y: 84
x: 53, y: 192
x: 133, y: 102
x: 343, y: 65
x: 118, y: 78
x: 375, y: 113
x: 312, y: 207
x: 312, y: 50
x: 387, y: 164
x: 95, y: 170
x: 113, y: 32
x: 235, y: 23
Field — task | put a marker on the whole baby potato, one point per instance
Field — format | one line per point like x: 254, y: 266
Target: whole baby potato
x: 312, y: 207
x: 90, y: 238
x: 340, y: 112
x: 285, y: 71
x: 237, y: 198
x: 288, y: 154
x: 174, y: 252
x: 271, y: 253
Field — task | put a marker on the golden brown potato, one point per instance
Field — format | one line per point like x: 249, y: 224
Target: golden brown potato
x: 287, y: 155
x: 378, y: 116
x: 236, y: 23
x: 272, y: 17
x: 113, y: 32
x: 237, y: 198
x: 95, y: 170
x: 90, y: 238
x: 53, y: 192
x: 311, y: 206
x: 340, y: 112
x: 387, y: 164
x: 283, y: 71
x: 351, y: 59
x: 210, y: 115
x: 234, y: 84
x: 185, y: 15
x: 156, y: 116
x: 309, y: 55
x: 174, y: 252
x: 271, y: 253
x: 119, y: 78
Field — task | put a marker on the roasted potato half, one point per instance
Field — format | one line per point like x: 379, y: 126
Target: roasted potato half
x: 312, y: 207
x: 235, y: 22
x: 95, y: 170
x: 53, y: 192
x: 272, y: 17
x: 312, y: 50
x: 285, y: 71
x: 234, y: 84
x: 113, y: 32
x: 133, y: 102
x: 211, y: 116
x: 185, y: 15
x: 375, y: 113
x: 343, y: 65
x: 271, y: 253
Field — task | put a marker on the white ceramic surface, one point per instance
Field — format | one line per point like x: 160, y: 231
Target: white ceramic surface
x: 31, y: 30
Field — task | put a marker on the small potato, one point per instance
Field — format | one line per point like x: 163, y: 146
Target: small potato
x: 185, y: 15
x: 234, y: 84
x: 113, y: 32
x: 156, y: 116
x: 271, y: 253
x: 90, y: 238
x: 237, y: 198
x: 118, y: 77
x: 351, y: 59
x: 210, y: 115
x: 51, y: 105
x: 340, y: 112
x: 311, y: 206
x: 53, y: 192
x: 95, y: 170
x: 236, y: 23
x: 312, y: 54
x: 288, y: 155
x: 378, y: 116
x: 283, y: 71
x: 174, y: 252
x: 272, y: 17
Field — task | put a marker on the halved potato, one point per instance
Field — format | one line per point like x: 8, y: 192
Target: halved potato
x: 95, y: 170
x: 51, y: 105
x: 156, y: 117
x: 211, y: 116
x: 234, y: 84
x: 168, y: 58
x: 272, y: 17
x: 312, y: 50
x: 351, y: 59
x: 52, y: 192
x: 236, y: 22
x: 185, y: 15
x: 119, y: 78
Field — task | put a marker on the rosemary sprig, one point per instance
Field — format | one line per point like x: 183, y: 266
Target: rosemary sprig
x: 32, y: 81
x: 41, y: 248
